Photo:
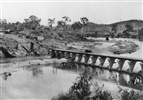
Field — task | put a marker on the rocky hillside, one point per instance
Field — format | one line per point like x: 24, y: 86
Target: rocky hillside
x: 16, y: 46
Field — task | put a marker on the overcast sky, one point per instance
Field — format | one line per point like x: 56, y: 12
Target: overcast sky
x: 97, y: 12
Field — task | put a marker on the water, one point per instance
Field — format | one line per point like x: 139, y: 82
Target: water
x: 35, y: 82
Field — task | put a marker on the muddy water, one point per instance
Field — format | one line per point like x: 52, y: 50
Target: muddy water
x: 35, y: 82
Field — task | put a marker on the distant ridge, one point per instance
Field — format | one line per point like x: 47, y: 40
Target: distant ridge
x: 137, y: 25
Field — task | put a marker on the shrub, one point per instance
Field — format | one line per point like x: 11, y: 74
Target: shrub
x: 132, y: 95
x: 102, y: 95
x: 80, y: 90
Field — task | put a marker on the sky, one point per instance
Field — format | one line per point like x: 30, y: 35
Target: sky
x: 98, y: 12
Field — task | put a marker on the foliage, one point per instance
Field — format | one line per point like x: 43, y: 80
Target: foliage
x: 66, y: 20
x: 76, y: 25
x: 84, y: 21
x: 132, y: 95
x: 61, y: 24
x: 80, y: 90
x: 102, y: 95
x: 114, y: 29
x: 129, y: 28
x: 32, y: 22
x: 82, y: 86
x: 51, y: 22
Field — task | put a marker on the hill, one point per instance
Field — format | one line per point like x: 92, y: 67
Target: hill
x: 137, y: 24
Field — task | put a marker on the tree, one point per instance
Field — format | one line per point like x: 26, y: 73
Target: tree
x: 61, y: 24
x: 140, y: 33
x: 76, y: 25
x: 51, y: 22
x: 32, y: 22
x: 129, y: 28
x: 66, y: 20
x: 3, y: 23
x: 18, y: 26
x: 114, y: 29
x: 84, y: 22
x: 33, y: 18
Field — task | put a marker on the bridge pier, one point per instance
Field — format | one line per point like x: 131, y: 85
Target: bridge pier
x: 131, y: 65
x: 120, y: 64
x: 111, y: 62
x: 86, y: 57
x: 67, y: 55
x: 102, y: 60
x: 94, y: 59
x: 62, y: 54
x: 79, y: 57
x: 53, y: 54
x: 57, y: 54
x: 141, y: 64
x: 114, y: 69
x: 73, y: 56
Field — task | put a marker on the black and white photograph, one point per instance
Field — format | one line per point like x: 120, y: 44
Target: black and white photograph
x: 71, y: 49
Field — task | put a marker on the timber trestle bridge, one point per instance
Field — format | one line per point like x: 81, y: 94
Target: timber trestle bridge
x: 133, y: 68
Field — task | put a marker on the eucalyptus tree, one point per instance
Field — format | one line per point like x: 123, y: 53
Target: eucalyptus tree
x: 84, y: 22
x: 61, y: 24
x: 19, y: 26
x: 3, y: 23
x: 32, y: 22
x: 66, y: 20
x: 76, y: 25
x: 128, y: 29
x: 51, y: 22
x: 114, y: 29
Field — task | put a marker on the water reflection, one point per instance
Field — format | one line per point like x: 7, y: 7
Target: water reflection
x: 37, y: 69
x: 120, y: 79
x: 36, y: 72
x: 111, y: 76
x: 54, y: 70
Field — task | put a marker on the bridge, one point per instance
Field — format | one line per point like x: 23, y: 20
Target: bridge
x: 133, y: 69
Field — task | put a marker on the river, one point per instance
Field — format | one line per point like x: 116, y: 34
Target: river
x: 34, y: 81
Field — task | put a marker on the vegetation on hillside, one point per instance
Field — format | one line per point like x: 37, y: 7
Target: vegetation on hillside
x: 31, y: 30
x: 125, y: 29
